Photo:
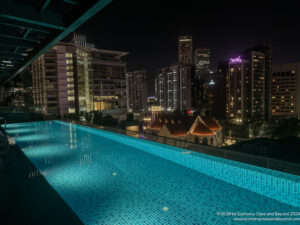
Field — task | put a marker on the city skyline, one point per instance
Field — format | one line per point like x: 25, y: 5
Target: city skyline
x: 149, y: 112
x: 227, y: 29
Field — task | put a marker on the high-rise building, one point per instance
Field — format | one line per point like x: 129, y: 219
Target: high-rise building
x: 136, y: 90
x: 237, y: 93
x: 185, y: 50
x: 75, y: 77
x: 174, y: 87
x: 202, y: 61
x: 53, y: 86
x: 200, y: 80
x: 285, y: 90
x: 245, y: 85
x: 101, y: 78
x: 267, y: 50
x: 256, y: 83
x: 217, y: 91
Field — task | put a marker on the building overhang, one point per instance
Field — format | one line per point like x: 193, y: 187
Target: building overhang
x: 29, y: 28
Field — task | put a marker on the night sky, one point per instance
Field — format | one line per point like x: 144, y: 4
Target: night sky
x: 149, y: 30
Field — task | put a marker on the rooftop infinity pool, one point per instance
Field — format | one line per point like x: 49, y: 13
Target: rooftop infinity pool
x: 108, y: 178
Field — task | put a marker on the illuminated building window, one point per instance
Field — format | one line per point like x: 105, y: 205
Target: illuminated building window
x: 70, y: 79
x: 69, y: 67
x: 69, y: 61
x: 71, y: 110
x: 69, y: 55
x: 70, y: 92
x: 71, y: 98
x: 69, y: 73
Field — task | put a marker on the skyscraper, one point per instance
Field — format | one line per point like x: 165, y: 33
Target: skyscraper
x: 267, y: 50
x: 136, y: 91
x: 217, y: 91
x: 53, y: 80
x: 285, y: 90
x: 245, y: 85
x: 185, y: 50
x: 75, y: 77
x: 174, y: 87
x: 257, y: 76
x: 201, y: 79
x: 237, y: 92
x: 202, y: 61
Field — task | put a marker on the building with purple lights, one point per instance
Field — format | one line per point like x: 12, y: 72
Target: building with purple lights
x: 235, y: 60
x: 245, y: 86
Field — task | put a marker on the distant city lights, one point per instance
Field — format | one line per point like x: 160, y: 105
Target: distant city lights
x: 211, y: 82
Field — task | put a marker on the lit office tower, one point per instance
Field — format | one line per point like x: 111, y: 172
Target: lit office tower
x: 201, y: 79
x: 285, y: 90
x: 245, y: 97
x: 100, y: 79
x: 53, y: 81
x: 174, y: 87
x: 185, y: 50
x: 256, y: 83
x: 136, y: 91
x: 237, y: 98
x: 217, y: 91
x: 202, y: 61
x: 75, y: 77
x: 267, y: 50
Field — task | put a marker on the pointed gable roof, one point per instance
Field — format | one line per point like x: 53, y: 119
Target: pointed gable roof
x: 177, y: 129
x: 202, y: 129
x: 157, y: 124
x: 212, y: 124
x: 181, y: 125
x: 177, y: 125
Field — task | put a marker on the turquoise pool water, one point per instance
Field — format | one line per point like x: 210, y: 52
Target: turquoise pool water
x: 109, y: 178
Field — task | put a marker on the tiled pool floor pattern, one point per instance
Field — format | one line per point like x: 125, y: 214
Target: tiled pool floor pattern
x: 106, y: 182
